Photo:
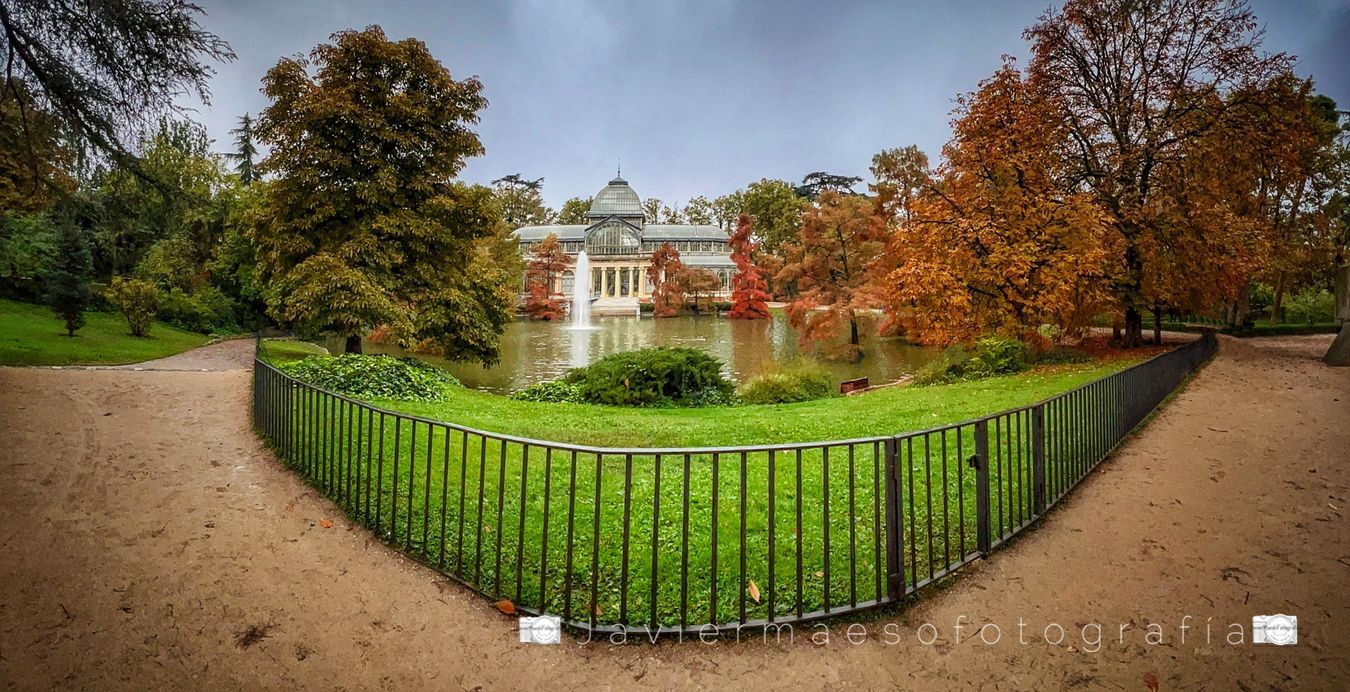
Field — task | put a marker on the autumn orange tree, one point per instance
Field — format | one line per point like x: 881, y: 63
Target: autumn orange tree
x: 695, y: 285
x: 547, y: 263
x: 665, y: 266
x: 1297, y: 173
x: 996, y: 243
x: 840, y: 238
x: 749, y: 292
x: 1129, y: 82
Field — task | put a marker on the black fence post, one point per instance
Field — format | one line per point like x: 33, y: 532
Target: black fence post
x: 1038, y: 458
x: 895, y: 526
x: 981, y: 463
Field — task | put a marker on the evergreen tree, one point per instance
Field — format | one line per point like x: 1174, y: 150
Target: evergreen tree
x: 245, y: 151
x: 67, y: 279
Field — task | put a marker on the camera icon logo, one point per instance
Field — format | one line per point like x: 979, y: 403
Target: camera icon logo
x: 544, y: 629
x: 1278, y: 629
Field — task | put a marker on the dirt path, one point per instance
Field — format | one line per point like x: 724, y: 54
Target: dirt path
x: 149, y: 541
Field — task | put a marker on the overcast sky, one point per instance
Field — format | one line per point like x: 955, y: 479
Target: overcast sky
x: 699, y: 97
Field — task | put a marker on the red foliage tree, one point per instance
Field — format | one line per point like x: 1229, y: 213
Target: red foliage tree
x: 666, y: 293
x: 749, y: 292
x: 547, y: 262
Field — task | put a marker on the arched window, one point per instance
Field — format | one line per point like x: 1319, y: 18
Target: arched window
x: 613, y: 238
x: 568, y: 282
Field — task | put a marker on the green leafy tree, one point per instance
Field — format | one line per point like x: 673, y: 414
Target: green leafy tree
x: 574, y: 211
x: 699, y: 211
x: 813, y: 184
x: 67, y: 278
x: 727, y: 208
x: 776, y: 211
x: 245, y: 151
x: 138, y: 301
x: 365, y: 224
x: 170, y: 197
x: 521, y: 201
x: 652, y: 208
x: 27, y: 244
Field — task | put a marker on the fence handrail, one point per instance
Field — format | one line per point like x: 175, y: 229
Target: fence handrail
x: 906, y: 510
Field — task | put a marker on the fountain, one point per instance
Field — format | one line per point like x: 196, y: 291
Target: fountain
x: 581, y: 293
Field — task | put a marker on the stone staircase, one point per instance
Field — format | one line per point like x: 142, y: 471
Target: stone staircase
x: 615, y: 306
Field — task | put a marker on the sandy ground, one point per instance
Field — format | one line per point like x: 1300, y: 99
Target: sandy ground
x: 149, y: 541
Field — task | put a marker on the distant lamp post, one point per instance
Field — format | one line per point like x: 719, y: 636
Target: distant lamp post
x: 1339, y: 353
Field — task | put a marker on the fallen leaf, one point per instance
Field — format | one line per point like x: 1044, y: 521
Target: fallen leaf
x: 325, y: 523
x: 1072, y: 649
x: 754, y: 591
x: 1152, y: 681
x: 820, y: 574
x: 506, y: 606
x: 290, y: 506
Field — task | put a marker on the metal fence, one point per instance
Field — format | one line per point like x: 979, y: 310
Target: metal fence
x: 660, y: 541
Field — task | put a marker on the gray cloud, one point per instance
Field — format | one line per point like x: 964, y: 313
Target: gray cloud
x: 699, y: 97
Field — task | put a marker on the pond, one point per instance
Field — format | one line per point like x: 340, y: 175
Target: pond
x: 537, y: 351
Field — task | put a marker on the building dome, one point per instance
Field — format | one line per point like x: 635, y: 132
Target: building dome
x: 616, y: 199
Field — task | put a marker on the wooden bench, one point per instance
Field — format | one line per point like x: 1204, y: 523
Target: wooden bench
x: 850, y: 386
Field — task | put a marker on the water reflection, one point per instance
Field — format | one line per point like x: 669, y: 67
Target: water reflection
x: 536, y: 351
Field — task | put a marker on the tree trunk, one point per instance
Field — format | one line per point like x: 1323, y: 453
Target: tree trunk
x: 1134, y: 328
x: 1241, y: 308
x: 1157, y: 325
x: 1115, y: 332
x: 853, y: 331
x: 353, y: 344
x: 1275, y: 303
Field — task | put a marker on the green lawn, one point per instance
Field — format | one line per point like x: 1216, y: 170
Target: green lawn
x: 502, y: 515
x: 33, y: 335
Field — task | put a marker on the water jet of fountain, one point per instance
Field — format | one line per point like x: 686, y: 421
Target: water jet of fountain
x: 581, y: 293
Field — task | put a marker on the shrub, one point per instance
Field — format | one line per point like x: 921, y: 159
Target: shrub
x: 384, y: 377
x: 947, y: 367
x: 992, y: 355
x: 1311, y: 306
x: 137, y: 300
x: 995, y: 355
x: 552, y: 391
x: 798, y: 381
x: 662, y: 376
x: 205, y: 310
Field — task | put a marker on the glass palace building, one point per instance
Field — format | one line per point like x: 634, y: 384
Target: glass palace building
x: 619, y: 243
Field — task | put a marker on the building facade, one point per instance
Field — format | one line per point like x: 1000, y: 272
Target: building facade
x: 619, y: 243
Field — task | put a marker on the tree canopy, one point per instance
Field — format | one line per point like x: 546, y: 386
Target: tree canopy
x: 367, y: 225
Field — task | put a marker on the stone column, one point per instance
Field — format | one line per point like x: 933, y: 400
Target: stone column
x: 1339, y: 353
